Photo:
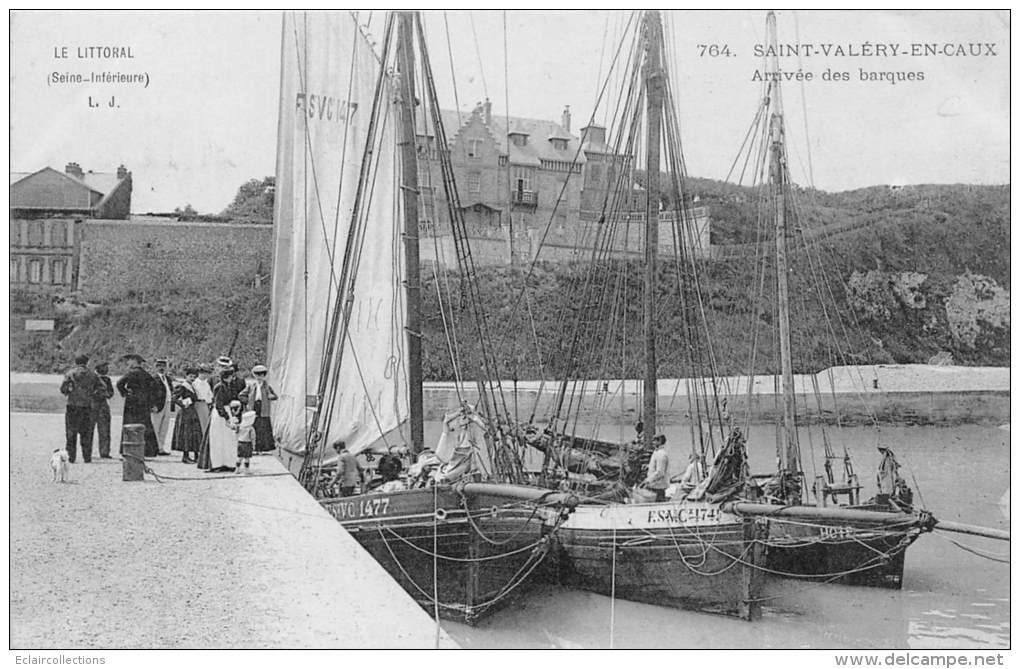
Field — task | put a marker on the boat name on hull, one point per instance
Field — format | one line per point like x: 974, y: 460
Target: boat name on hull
x: 684, y: 515
x: 361, y: 508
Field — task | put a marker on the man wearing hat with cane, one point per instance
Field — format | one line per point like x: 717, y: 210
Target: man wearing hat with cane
x: 258, y: 397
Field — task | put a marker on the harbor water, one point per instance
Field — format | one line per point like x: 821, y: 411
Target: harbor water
x: 951, y: 598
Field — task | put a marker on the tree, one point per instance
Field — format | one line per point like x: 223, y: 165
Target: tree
x: 186, y: 214
x: 253, y: 202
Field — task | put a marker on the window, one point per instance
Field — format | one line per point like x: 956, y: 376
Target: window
x: 35, y: 233
x: 522, y: 179
x: 475, y: 183
x: 474, y: 148
x: 519, y: 139
x: 35, y: 270
x: 57, y: 271
x: 559, y: 144
x: 70, y: 232
x: 561, y: 221
x: 14, y: 270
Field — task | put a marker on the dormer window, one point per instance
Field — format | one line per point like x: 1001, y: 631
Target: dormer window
x: 559, y: 144
x: 519, y: 139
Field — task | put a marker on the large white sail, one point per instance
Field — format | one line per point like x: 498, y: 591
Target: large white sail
x: 329, y: 76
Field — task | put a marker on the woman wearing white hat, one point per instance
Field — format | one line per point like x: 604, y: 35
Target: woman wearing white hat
x: 220, y: 448
x: 258, y: 396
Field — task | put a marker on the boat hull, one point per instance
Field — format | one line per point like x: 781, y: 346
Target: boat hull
x: 686, y: 555
x: 838, y: 552
x: 459, y: 555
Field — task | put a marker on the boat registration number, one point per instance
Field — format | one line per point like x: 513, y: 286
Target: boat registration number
x: 684, y: 515
x: 361, y: 509
x: 836, y: 532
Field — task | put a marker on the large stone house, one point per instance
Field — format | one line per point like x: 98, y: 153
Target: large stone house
x: 48, y: 209
x: 525, y: 183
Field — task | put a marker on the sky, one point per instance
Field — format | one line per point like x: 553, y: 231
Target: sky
x: 206, y: 121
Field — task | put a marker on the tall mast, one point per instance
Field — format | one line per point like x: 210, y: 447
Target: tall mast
x: 789, y: 451
x: 653, y: 90
x: 409, y: 190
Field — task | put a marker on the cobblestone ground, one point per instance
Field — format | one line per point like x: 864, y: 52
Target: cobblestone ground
x: 246, y: 562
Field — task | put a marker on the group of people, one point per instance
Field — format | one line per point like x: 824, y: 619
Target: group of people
x: 215, y: 418
x: 453, y: 459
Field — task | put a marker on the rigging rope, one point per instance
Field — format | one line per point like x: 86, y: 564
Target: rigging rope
x: 481, y: 68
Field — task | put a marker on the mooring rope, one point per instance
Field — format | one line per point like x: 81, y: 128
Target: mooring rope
x: 994, y: 557
x: 159, y: 477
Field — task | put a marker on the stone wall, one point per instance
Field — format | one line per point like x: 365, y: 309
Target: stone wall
x: 152, y: 256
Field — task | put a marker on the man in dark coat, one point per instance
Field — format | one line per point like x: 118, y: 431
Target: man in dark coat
x: 101, y: 409
x: 81, y: 386
x: 140, y: 392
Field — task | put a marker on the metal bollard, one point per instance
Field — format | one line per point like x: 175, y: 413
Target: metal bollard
x: 132, y: 449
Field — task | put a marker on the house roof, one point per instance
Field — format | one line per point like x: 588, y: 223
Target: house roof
x: 538, y: 147
x: 103, y: 183
x: 100, y: 182
x: 539, y: 132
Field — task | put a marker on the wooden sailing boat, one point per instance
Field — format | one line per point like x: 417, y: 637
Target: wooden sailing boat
x: 688, y: 553
x: 345, y: 334
x: 837, y: 538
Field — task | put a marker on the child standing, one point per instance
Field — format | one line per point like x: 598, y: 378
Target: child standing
x: 245, y: 440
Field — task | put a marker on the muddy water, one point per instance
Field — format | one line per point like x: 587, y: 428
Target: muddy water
x: 950, y: 598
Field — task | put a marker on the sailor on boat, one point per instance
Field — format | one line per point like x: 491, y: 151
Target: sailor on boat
x: 463, y: 432
x: 892, y: 488
x: 658, y: 469
x: 683, y: 485
x: 349, y: 473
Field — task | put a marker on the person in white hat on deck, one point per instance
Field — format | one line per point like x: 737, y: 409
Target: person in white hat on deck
x: 258, y: 396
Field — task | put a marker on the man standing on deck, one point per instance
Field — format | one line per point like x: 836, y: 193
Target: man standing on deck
x: 658, y: 469
x: 348, y: 470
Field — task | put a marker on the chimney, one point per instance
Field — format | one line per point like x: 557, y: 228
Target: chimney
x: 488, y: 111
x: 122, y: 172
x: 566, y: 118
x: 595, y: 134
x: 74, y: 169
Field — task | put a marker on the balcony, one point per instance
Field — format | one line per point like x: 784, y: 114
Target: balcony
x: 524, y: 198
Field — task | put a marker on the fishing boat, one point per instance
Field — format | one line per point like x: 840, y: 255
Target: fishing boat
x: 452, y: 526
x: 818, y: 528
x: 621, y: 540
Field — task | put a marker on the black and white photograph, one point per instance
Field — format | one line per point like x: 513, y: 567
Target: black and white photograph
x: 486, y: 329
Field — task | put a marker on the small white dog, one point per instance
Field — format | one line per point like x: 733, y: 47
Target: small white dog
x: 61, y: 465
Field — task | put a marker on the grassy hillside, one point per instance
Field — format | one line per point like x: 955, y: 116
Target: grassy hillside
x: 187, y: 327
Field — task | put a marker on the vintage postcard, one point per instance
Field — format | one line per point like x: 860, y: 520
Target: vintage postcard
x: 520, y: 329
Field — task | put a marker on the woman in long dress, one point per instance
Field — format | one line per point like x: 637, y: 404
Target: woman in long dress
x: 222, y: 441
x: 139, y: 390
x: 203, y: 388
x: 187, y: 433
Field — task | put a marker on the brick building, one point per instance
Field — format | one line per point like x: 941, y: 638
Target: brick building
x: 48, y: 209
x: 519, y: 177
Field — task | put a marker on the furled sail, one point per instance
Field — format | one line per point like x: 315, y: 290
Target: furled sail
x: 329, y: 78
